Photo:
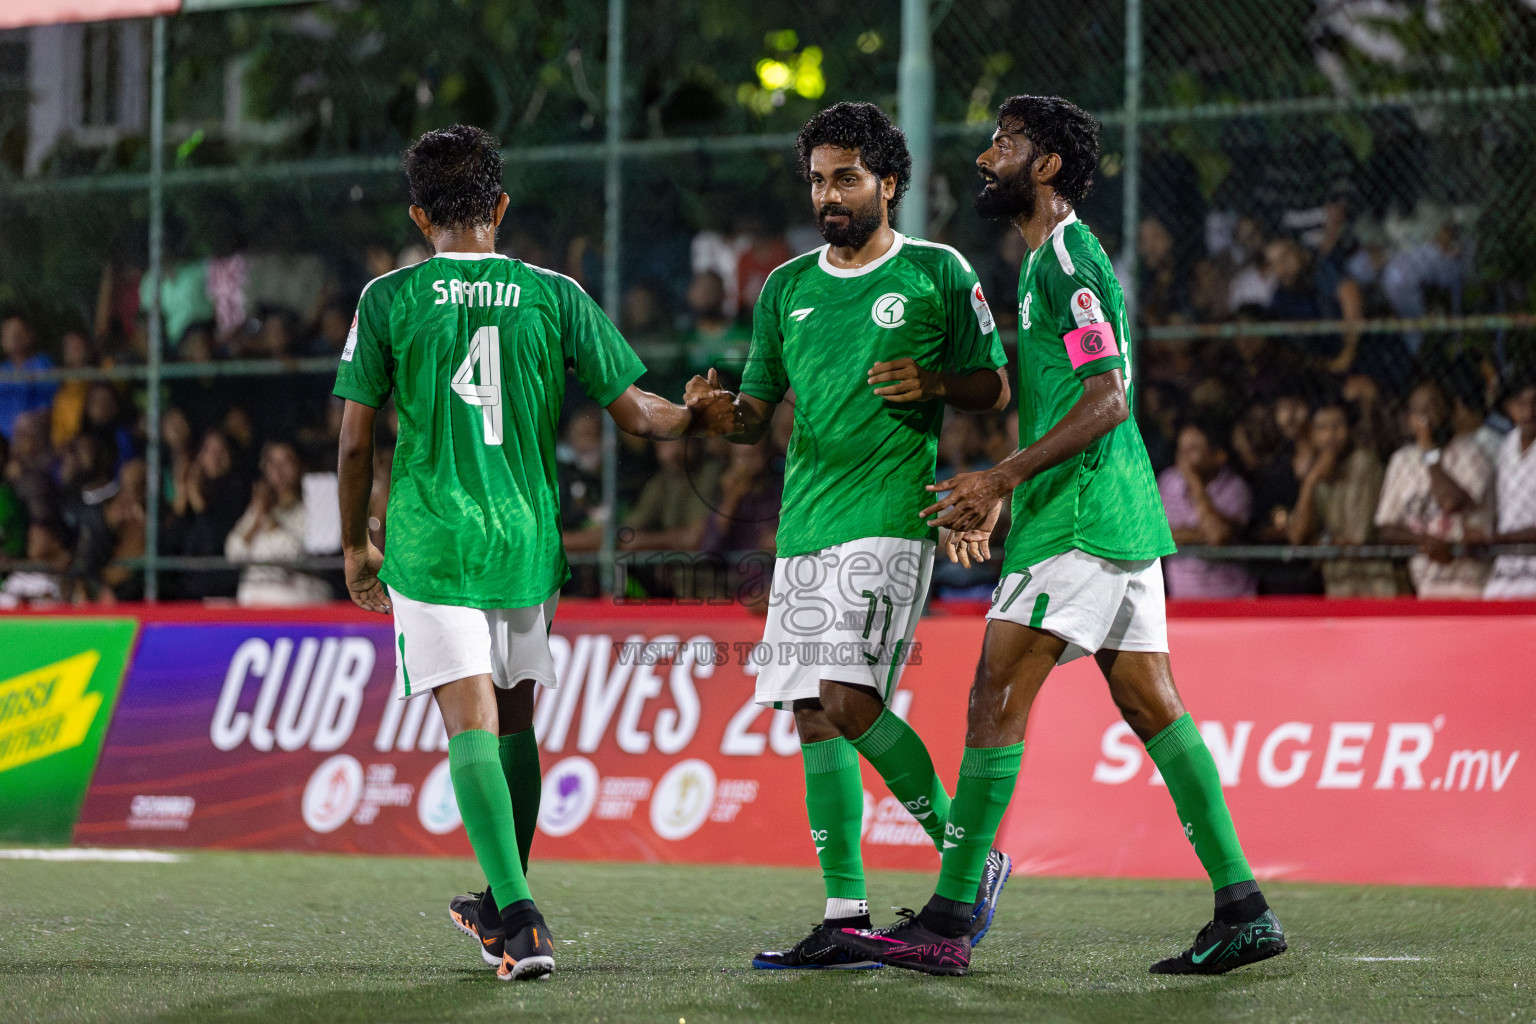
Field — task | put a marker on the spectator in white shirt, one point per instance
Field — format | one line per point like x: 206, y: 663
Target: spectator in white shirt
x: 272, y: 530
x: 1438, y: 492
x: 1515, y: 575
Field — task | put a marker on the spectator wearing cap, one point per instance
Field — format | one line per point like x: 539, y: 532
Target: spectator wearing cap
x: 1438, y: 492
x: 1208, y: 504
x: 1515, y: 575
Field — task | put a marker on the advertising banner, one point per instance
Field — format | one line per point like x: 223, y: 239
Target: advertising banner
x: 1357, y: 749
x: 58, y: 682
x: 288, y: 736
x: 1390, y: 750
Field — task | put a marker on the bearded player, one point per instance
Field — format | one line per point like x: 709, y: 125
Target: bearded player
x: 1081, y: 572
x: 875, y: 333
x: 474, y: 347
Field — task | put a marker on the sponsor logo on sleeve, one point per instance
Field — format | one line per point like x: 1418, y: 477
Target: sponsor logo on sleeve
x: 983, y: 311
x: 1086, y: 308
x: 346, y: 353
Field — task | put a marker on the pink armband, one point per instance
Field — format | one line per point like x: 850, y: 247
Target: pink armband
x: 1086, y: 344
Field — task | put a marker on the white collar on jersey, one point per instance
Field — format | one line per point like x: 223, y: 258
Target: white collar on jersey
x: 826, y: 264
x: 470, y: 256
x: 1061, y: 226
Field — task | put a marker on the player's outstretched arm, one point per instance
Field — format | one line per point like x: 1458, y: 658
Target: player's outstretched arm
x: 706, y: 411
x: 902, y: 380
x: 972, y: 497
x: 354, y: 484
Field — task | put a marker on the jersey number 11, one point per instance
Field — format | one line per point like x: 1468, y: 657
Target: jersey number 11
x: 484, y: 360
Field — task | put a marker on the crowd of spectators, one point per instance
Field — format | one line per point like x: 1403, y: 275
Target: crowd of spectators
x: 1322, y: 435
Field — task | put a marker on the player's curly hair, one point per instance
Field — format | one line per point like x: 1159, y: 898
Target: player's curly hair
x: 1057, y: 126
x: 864, y: 127
x: 455, y: 175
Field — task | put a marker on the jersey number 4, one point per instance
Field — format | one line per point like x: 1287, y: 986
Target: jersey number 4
x: 484, y: 362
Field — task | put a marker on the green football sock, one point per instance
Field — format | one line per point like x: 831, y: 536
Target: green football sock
x: 898, y: 754
x: 987, y: 777
x: 520, y: 764
x: 834, y: 801
x: 1181, y: 755
x: 486, y: 807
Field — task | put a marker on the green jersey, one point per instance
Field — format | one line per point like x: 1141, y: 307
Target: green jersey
x: 857, y: 463
x: 475, y: 347
x: 1072, y: 326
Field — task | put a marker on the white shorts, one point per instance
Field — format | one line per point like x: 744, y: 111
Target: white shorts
x: 844, y: 613
x: 438, y: 643
x: 1090, y: 602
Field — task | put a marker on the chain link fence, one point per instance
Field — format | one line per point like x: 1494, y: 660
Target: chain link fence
x: 1316, y: 206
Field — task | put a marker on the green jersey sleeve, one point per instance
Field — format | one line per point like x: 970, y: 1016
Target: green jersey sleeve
x: 764, y: 377
x: 973, y: 340
x: 1077, y: 297
x: 367, y: 371
x: 594, y: 349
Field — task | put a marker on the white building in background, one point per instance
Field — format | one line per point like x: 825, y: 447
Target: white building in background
x: 86, y: 84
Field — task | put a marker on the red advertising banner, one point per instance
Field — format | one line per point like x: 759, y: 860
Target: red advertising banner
x: 1352, y: 750
x: 1356, y: 748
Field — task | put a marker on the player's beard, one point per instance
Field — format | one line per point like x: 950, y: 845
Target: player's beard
x: 863, y: 222
x: 1007, y: 198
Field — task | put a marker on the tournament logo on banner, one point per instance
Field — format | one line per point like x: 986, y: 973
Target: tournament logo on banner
x: 58, y: 683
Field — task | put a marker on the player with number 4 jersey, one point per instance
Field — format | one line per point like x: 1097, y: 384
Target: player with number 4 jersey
x: 474, y: 347
x: 1081, y: 573
x: 874, y: 334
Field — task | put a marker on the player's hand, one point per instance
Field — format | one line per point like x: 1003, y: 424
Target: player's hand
x: 902, y: 380
x: 363, y: 584
x: 971, y: 546
x: 973, y: 499
x: 713, y: 407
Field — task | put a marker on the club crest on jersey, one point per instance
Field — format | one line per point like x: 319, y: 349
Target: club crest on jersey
x: 890, y: 310
x: 1024, y: 310
x: 1086, y: 309
x: 983, y: 311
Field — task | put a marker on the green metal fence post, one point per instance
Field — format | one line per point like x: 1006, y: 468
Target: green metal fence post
x: 1130, y: 214
x: 613, y: 228
x: 153, y: 273
x: 915, y: 109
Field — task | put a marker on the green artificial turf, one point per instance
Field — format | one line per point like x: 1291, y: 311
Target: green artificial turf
x: 291, y: 939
